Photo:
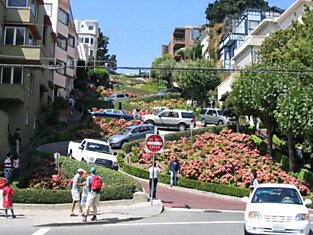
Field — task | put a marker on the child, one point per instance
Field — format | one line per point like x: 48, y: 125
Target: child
x: 84, y: 196
x: 7, y: 199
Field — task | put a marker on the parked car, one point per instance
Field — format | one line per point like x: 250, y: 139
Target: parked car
x: 276, y: 209
x: 117, y: 97
x: 171, y: 119
x: 130, y: 133
x: 93, y: 151
x: 168, y: 90
x: 104, y: 98
x: 113, y: 113
x: 215, y: 116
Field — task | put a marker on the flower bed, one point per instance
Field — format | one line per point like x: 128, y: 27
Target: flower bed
x: 227, y: 158
x: 170, y: 103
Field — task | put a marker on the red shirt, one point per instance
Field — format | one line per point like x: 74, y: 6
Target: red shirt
x: 7, y: 196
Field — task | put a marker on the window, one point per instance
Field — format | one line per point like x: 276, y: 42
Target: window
x: 70, y: 62
x: 62, y: 69
x: 16, y: 3
x: 14, y: 35
x: 12, y: 75
x: 91, y: 53
x: 63, y: 16
x: 87, y: 40
x: 34, y: 8
x: 62, y: 42
x: 194, y: 34
x: 91, y: 41
x: 82, y: 26
x: 31, y: 39
x: 48, y: 8
x: 71, y: 40
x: 90, y: 27
x: 187, y: 115
x: 29, y: 81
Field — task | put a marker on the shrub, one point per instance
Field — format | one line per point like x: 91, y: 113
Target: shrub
x: 89, y: 103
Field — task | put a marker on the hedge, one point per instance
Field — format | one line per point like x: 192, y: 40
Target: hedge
x: 176, y: 136
x: 120, y: 186
x: 91, y: 102
x: 183, y: 182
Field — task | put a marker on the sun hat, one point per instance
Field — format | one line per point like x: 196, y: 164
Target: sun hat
x: 93, y: 169
x: 81, y: 170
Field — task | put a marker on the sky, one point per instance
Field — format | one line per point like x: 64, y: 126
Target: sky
x: 138, y: 28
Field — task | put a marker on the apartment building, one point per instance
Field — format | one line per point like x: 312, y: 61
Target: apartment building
x: 247, y: 52
x: 238, y: 30
x: 66, y: 54
x: 26, y: 83
x: 88, y: 33
x: 182, y: 37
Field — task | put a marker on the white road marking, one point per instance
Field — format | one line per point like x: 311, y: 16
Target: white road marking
x: 42, y: 231
x: 203, y: 210
x: 176, y: 223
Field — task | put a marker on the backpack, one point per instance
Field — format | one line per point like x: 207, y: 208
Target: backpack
x: 96, y: 184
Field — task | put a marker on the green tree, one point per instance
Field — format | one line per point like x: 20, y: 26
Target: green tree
x: 196, y: 81
x: 163, y: 67
x: 99, y: 76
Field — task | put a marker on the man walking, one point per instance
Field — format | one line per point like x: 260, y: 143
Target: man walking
x: 75, y: 190
x: 94, y: 184
x: 174, y: 168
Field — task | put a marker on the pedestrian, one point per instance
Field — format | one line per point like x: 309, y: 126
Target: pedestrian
x: 135, y: 113
x: 18, y: 140
x: 153, y: 180
x: 84, y: 193
x: 16, y: 163
x: 8, y: 166
x: 8, y: 199
x: 254, y: 182
x: 75, y: 190
x: 94, y: 184
x: 174, y: 168
x: 71, y: 103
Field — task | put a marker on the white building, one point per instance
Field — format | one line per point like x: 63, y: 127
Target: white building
x: 247, y: 52
x: 88, y: 33
x: 204, y: 42
x: 66, y: 54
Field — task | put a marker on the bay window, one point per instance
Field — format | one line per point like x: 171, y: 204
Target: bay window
x: 14, y: 35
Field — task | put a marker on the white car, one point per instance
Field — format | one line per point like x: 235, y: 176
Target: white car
x: 276, y: 209
x: 93, y: 151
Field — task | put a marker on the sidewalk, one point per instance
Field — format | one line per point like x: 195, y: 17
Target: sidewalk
x: 59, y: 214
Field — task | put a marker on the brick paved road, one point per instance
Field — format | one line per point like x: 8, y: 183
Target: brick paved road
x: 180, y: 198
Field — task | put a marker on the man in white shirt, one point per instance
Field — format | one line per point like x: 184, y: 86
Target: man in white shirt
x: 153, y: 180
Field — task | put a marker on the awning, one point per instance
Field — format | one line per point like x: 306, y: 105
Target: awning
x: 35, y: 32
x: 47, y: 21
x: 54, y: 37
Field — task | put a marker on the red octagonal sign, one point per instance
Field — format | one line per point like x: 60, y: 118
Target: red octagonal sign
x: 154, y: 143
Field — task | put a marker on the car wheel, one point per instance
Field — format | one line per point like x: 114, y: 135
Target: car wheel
x: 181, y: 127
x: 83, y: 160
x: 150, y: 122
x: 70, y: 154
x: 220, y: 122
x: 203, y: 122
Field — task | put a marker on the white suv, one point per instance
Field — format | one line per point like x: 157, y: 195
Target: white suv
x: 171, y: 119
x: 116, y: 97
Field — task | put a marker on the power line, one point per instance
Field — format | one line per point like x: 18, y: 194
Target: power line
x: 222, y: 70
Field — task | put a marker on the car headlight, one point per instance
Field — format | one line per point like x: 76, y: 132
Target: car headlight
x: 301, y: 217
x: 254, y: 215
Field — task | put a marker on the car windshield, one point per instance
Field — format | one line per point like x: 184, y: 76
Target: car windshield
x: 125, y: 131
x: 276, y: 195
x: 100, y: 148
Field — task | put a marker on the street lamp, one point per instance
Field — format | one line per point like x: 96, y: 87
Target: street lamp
x: 94, y: 61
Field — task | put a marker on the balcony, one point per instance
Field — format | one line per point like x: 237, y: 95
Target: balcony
x: 15, y: 93
x: 23, y: 54
x: 230, y: 39
x: 249, y: 42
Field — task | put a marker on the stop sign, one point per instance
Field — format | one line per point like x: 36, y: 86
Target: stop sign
x: 154, y: 143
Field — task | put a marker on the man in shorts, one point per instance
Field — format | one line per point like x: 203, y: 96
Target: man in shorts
x: 93, y: 197
x: 77, y: 183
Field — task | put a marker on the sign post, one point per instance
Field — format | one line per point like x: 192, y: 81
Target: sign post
x: 154, y: 144
x: 192, y: 126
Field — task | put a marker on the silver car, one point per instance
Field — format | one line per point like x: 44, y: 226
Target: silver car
x: 130, y: 133
x: 214, y: 116
x: 171, y: 119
